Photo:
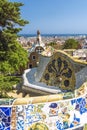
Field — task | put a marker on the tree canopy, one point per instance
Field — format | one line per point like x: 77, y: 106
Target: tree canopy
x: 71, y: 44
x: 12, y: 56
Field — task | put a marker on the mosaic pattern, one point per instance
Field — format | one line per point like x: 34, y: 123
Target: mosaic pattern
x: 59, y: 72
x: 20, y: 115
x: 5, y: 119
x: 6, y: 101
x: 13, y: 118
x: 51, y: 116
x: 61, y: 115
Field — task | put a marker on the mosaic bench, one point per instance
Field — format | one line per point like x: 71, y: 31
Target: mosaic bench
x: 43, y: 114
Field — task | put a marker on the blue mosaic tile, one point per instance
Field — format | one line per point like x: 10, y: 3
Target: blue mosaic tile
x: 79, y: 100
x: 81, y: 105
x: 73, y: 101
x: 83, y: 110
x: 20, y: 125
x: 59, y: 125
x: 20, y: 110
x: 64, y: 115
x: 5, y: 119
x: 29, y: 108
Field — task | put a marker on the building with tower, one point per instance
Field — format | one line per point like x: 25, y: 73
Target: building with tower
x: 37, y: 48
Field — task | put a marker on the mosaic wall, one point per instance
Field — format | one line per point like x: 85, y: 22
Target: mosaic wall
x: 60, y: 73
x: 61, y: 115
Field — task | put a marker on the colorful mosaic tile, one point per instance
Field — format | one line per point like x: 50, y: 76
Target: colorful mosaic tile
x: 5, y: 119
x: 59, y: 115
x: 6, y: 101
x: 20, y: 116
x: 13, y: 118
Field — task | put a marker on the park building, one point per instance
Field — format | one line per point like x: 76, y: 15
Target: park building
x: 37, y: 48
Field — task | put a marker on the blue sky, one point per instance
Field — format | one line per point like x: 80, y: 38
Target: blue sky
x: 54, y: 16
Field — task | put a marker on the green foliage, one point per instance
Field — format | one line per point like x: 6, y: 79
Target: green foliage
x: 55, y: 45
x: 5, y: 67
x: 6, y: 83
x: 12, y: 56
x: 71, y: 44
x: 18, y: 57
x: 52, y: 44
x: 10, y: 14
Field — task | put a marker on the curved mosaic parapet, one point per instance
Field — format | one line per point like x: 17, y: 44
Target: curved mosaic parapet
x: 55, y: 74
x: 68, y: 114
x: 59, y: 72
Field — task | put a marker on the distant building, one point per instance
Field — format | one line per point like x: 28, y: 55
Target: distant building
x: 37, y: 48
x: 80, y: 54
x: 84, y: 46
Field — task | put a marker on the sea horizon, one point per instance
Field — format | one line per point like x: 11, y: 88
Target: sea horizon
x: 54, y: 35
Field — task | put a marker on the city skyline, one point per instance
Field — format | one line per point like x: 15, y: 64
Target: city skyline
x: 54, y: 16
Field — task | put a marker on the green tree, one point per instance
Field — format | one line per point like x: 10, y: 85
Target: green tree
x: 6, y: 84
x: 71, y: 44
x: 52, y: 44
x: 12, y: 55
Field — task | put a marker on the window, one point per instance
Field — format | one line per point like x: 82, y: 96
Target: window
x: 30, y: 66
x: 39, y: 50
x: 33, y: 57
